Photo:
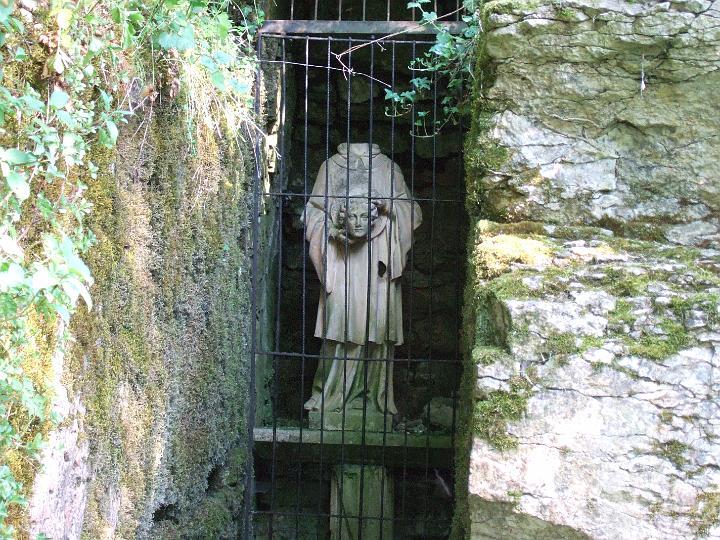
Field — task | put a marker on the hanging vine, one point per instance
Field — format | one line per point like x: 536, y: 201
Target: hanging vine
x: 446, y: 67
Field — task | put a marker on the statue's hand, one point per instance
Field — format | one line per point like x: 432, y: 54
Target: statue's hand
x: 338, y: 235
x: 383, y: 206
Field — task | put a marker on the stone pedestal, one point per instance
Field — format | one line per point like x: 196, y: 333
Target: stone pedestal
x: 333, y: 421
x: 377, y: 502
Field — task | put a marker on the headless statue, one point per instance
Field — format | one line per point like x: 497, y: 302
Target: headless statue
x: 359, y: 224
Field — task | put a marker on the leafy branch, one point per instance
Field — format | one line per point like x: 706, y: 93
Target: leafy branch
x: 446, y: 68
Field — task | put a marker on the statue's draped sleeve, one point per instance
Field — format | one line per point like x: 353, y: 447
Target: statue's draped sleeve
x: 317, y: 222
x: 406, y: 216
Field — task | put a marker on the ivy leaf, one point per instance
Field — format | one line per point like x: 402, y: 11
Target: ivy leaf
x: 32, y: 103
x: 63, y: 18
x: 67, y: 119
x: 45, y: 207
x: 42, y: 279
x: 13, y: 156
x: 222, y: 25
x: 18, y: 184
x: 34, y: 446
x: 6, y: 8
x: 112, y: 130
x: 12, y: 277
x: 429, y: 17
x: 241, y: 87
x: 181, y: 41
x: 74, y: 288
x: 218, y: 79
x: 421, y: 83
x: 58, y: 99
x: 391, y: 95
x: 207, y: 62
x: 223, y: 58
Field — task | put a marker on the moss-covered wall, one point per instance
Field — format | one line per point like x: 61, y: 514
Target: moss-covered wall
x: 157, y: 379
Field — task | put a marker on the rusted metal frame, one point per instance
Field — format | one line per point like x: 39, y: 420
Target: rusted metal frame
x: 378, y: 28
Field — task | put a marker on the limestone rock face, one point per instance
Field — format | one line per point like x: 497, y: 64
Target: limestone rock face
x: 594, y: 317
x: 596, y: 389
x: 607, y: 114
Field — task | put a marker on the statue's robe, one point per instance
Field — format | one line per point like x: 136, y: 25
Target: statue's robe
x: 360, y: 310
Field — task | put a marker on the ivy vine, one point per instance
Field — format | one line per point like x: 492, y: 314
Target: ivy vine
x: 447, y: 67
x: 68, y: 81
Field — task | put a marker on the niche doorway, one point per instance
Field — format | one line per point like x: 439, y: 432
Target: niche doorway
x: 325, y: 97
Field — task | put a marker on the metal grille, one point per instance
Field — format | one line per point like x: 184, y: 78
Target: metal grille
x: 313, y: 478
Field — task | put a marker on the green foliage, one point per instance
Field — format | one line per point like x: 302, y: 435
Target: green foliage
x: 57, y: 101
x: 446, y: 68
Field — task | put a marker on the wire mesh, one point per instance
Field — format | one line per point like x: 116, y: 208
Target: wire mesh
x: 331, y: 92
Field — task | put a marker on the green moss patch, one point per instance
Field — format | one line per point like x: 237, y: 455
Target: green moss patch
x: 674, y: 451
x: 706, y: 513
x: 492, y: 414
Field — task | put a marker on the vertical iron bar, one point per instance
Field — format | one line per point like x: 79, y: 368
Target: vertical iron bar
x: 292, y: 10
x: 363, y: 446
x: 340, y: 10
x: 278, y: 300
x: 304, y: 283
x: 432, y: 283
x: 321, y: 363
x: 412, y: 273
x: 249, y: 494
x: 345, y: 360
x: 389, y: 363
x: 315, y: 15
x: 458, y: 291
x: 364, y: 9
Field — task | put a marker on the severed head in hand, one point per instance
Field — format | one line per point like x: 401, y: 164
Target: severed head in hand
x: 354, y: 217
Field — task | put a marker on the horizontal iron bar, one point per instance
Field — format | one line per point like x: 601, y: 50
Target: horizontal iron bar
x: 281, y: 354
x: 290, y: 194
x: 392, y: 449
x: 377, y: 28
x: 346, y: 515
x: 389, y: 438
x: 344, y: 39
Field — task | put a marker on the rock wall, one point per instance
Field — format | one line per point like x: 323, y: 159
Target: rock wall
x: 606, y: 110
x: 155, y: 387
x: 593, y: 317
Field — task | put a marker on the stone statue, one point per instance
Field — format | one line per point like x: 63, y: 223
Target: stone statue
x: 359, y: 224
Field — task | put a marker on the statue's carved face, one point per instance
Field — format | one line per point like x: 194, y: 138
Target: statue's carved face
x: 358, y: 219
